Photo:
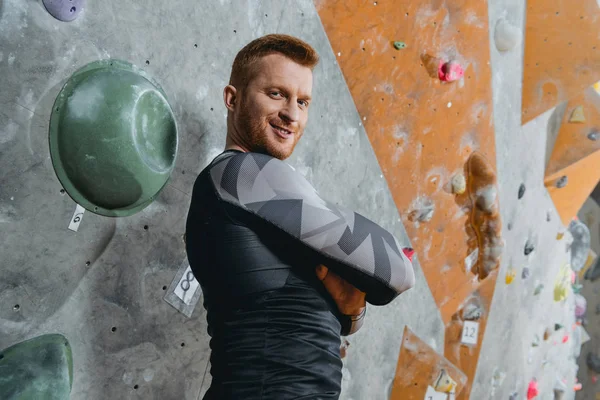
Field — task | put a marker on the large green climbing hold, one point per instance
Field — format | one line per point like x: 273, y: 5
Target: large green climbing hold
x: 38, y: 368
x: 113, y: 138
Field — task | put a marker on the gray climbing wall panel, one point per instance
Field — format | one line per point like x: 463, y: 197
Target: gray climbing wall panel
x: 103, y: 286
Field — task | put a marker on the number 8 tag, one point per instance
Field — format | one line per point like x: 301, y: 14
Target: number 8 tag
x: 470, y: 333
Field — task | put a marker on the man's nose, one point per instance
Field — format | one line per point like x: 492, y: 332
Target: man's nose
x: 290, y: 113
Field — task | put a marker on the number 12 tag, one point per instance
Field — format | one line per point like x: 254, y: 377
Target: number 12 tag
x: 470, y: 333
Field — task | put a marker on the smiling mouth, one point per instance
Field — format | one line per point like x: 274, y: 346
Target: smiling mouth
x: 282, y: 131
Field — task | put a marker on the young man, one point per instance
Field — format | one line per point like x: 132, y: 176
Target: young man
x: 274, y: 315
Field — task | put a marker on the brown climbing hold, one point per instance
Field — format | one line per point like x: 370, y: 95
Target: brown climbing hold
x: 547, y: 333
x: 485, y: 216
x: 577, y: 116
x: 444, y: 383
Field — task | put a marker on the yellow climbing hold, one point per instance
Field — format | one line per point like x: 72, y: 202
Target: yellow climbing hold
x: 560, y: 235
x: 510, y: 275
x: 562, y: 283
x: 597, y: 87
x: 577, y: 115
x: 444, y: 383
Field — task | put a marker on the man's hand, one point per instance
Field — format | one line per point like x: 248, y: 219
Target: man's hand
x: 350, y: 300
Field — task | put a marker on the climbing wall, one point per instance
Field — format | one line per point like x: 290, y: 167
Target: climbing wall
x: 105, y: 287
x: 423, y: 129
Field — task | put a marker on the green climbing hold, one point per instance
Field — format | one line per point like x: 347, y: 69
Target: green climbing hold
x: 399, y: 45
x: 557, y: 327
x: 113, y: 138
x: 38, y: 368
x: 538, y: 289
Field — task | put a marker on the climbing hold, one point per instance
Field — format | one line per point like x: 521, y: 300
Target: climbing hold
x: 532, y: 389
x: 521, y: 191
x: 444, y: 383
x: 548, y: 216
x: 506, y: 35
x: 577, y: 288
x: 344, y: 348
x: 64, y: 10
x: 115, y: 160
x: 536, y: 341
x: 560, y: 235
x: 562, y: 283
x: 559, y: 394
x: 547, y: 333
x: 485, y: 217
x: 399, y: 45
x: 513, y: 396
x: 409, y: 252
x: 510, y: 275
x: 577, y: 116
x: 565, y: 339
x: 580, y: 305
x: 593, y: 135
x: 577, y: 387
x: 450, y: 71
x: 423, y: 210
x: 562, y: 182
x: 538, y: 289
x: 472, y: 311
x: 529, y: 247
x: 557, y: 327
x: 38, y: 368
x: 580, y: 248
x: 593, y: 362
x: 525, y: 273
x: 459, y: 184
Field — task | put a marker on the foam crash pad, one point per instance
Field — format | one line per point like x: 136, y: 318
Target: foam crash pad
x: 38, y: 368
x: 420, y: 366
x: 113, y: 138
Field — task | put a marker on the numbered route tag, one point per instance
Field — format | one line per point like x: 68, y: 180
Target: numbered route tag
x: 76, y: 219
x: 185, y: 291
x: 431, y: 394
x: 470, y: 333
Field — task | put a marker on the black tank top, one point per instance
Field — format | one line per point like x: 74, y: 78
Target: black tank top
x: 275, y: 332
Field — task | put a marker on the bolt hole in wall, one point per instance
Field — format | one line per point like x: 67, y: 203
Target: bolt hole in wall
x: 182, y: 344
x: 147, y: 62
x: 62, y: 191
x: 136, y: 387
x: 73, y: 9
x: 164, y: 288
x: 113, y: 329
x: 145, y: 227
x: 87, y: 263
x: 16, y: 307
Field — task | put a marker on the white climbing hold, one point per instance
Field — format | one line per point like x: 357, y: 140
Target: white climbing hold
x: 506, y: 35
x: 459, y: 184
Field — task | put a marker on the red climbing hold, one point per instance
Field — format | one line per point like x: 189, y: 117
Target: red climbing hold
x: 565, y: 339
x: 532, y: 390
x: 408, y: 252
x: 450, y: 71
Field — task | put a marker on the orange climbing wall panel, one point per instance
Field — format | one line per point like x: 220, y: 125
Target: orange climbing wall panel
x: 419, y: 367
x: 422, y: 130
x: 572, y: 143
x: 575, y: 156
x: 582, y: 178
x: 562, y: 52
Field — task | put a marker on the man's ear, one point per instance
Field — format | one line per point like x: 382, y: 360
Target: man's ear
x: 230, y: 97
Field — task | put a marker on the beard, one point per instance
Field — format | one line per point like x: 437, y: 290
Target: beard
x: 258, y: 138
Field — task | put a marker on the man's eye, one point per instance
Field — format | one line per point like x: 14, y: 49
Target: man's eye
x: 274, y: 94
x: 304, y: 103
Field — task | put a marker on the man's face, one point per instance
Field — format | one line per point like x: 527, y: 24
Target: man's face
x: 272, y: 111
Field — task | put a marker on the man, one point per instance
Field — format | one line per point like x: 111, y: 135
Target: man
x: 274, y: 313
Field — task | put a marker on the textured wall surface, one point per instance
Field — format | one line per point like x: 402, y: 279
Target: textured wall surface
x: 103, y: 286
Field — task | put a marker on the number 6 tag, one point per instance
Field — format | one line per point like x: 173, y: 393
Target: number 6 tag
x: 470, y: 333
x: 76, y: 219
